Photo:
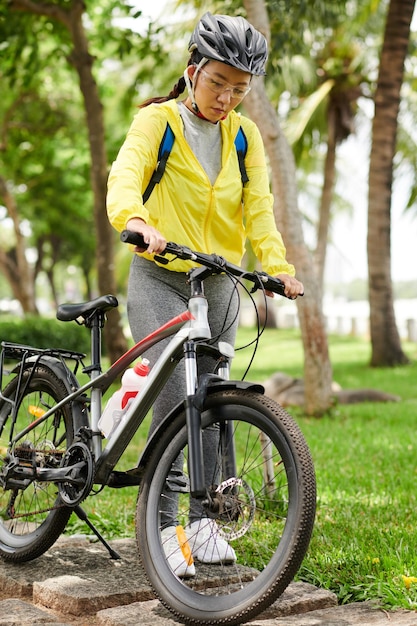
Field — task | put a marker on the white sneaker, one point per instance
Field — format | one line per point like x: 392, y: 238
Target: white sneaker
x: 177, y: 551
x: 206, y: 543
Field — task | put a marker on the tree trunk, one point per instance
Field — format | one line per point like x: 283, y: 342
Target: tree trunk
x: 326, y: 203
x: 385, y: 340
x: 317, y: 366
x: 14, y: 264
x: 82, y: 60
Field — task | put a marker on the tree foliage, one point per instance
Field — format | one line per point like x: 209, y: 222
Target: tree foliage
x: 45, y: 139
x: 322, y: 57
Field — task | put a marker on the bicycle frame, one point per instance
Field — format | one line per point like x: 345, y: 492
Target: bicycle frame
x: 190, y: 331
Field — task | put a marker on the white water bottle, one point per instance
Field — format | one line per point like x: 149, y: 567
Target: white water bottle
x: 133, y: 380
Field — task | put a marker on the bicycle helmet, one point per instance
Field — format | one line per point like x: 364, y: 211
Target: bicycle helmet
x: 231, y: 40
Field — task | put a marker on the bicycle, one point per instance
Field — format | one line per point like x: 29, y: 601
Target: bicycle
x: 262, y: 498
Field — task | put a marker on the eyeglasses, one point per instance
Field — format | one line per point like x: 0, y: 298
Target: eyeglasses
x: 220, y: 87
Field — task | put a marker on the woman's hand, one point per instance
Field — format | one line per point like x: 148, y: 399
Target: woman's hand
x: 293, y: 287
x: 153, y: 238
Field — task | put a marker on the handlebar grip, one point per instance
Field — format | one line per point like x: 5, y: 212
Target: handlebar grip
x: 271, y: 283
x: 128, y: 236
x: 274, y: 284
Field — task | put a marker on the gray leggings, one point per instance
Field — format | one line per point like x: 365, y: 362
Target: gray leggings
x: 155, y: 295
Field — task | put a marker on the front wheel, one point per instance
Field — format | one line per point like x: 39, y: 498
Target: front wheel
x: 264, y: 511
x: 32, y: 514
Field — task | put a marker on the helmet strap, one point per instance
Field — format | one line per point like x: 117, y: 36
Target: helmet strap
x: 191, y: 83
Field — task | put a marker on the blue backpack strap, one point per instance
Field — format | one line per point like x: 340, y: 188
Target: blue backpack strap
x: 165, y: 148
x: 241, y: 144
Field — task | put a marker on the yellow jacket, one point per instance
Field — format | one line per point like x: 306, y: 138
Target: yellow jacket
x: 184, y: 206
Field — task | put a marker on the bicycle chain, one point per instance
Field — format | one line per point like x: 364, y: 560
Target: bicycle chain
x: 39, y: 511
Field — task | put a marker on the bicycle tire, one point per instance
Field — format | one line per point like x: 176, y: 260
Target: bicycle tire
x: 270, y: 547
x: 33, y: 516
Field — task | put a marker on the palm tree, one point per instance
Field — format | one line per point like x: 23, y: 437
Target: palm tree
x: 329, y: 114
x: 385, y: 340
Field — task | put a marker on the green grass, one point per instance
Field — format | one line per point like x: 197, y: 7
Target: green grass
x: 365, y: 457
x: 366, y: 465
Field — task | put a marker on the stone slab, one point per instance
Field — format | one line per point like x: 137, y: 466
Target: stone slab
x: 356, y: 614
x: 16, y: 612
x: 297, y: 598
x: 78, y: 577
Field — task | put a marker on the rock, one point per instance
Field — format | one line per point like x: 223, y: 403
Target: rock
x: 289, y: 391
x: 354, y: 396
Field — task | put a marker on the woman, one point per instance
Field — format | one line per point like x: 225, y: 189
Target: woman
x: 200, y: 202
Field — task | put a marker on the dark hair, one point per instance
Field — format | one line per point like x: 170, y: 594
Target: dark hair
x: 178, y: 88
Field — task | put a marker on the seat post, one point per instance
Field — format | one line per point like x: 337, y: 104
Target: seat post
x: 96, y: 324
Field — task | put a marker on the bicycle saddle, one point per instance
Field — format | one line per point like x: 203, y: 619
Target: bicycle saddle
x: 70, y: 312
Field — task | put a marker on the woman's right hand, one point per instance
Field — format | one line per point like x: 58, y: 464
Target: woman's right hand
x: 153, y: 238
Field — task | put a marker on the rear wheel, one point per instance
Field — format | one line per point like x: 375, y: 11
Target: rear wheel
x: 264, y: 510
x: 32, y: 514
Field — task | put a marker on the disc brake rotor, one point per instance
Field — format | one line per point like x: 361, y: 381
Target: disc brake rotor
x: 239, y: 507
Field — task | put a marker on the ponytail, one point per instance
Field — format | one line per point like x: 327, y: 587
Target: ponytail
x: 176, y: 91
x: 178, y: 88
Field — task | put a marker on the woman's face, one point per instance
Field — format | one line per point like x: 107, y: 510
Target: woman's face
x: 218, y: 89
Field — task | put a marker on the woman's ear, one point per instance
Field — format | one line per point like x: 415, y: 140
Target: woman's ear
x: 190, y: 70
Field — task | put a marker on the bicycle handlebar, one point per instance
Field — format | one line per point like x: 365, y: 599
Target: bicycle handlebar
x: 218, y: 264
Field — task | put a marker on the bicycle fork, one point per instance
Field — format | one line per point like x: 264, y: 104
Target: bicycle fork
x: 193, y: 420
x: 193, y: 406
x: 195, y: 397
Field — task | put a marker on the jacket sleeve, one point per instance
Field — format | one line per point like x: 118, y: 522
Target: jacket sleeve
x: 260, y: 225
x: 133, y: 168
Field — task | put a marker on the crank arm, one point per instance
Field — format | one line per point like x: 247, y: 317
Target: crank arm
x: 62, y: 474
x: 19, y: 476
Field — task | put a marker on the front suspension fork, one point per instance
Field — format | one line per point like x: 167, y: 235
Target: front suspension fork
x: 193, y: 420
x: 193, y: 406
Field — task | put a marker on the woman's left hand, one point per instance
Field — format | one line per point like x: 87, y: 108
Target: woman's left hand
x: 293, y: 287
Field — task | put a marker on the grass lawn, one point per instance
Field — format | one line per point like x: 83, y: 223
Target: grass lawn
x: 365, y: 456
x: 365, y: 537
